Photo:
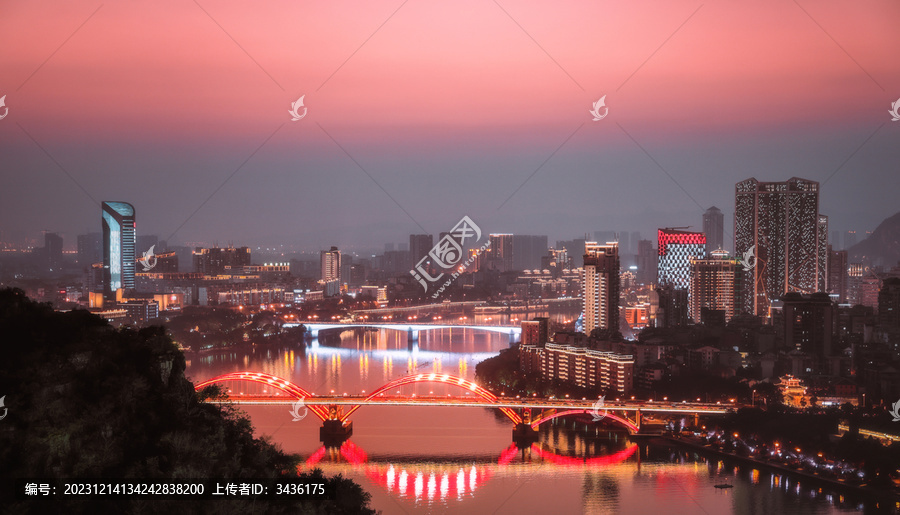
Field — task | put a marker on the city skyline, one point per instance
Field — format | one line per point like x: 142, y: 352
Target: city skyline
x: 401, y: 139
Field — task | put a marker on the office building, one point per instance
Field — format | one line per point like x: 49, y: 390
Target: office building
x: 676, y: 249
x: 714, y: 229
x: 600, y: 287
x: 779, y: 225
x: 117, y: 219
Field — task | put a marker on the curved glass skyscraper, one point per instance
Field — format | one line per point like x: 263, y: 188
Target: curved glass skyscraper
x: 118, y: 247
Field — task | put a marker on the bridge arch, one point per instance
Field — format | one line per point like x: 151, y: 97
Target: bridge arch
x: 275, y: 382
x: 439, y: 378
x: 622, y: 421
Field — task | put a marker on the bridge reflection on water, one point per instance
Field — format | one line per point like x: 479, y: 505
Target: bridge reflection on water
x: 442, y: 481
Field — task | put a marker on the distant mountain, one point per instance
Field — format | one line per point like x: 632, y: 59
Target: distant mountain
x: 882, y: 247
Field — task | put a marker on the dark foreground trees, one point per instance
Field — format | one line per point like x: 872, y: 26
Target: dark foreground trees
x: 87, y: 401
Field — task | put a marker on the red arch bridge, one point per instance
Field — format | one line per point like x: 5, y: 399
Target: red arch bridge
x: 527, y: 414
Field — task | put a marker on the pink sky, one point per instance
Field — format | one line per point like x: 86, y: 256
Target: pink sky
x: 444, y: 96
x: 166, y: 69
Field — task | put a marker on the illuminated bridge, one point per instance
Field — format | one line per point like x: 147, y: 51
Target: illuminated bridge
x: 412, y: 330
x: 337, y: 427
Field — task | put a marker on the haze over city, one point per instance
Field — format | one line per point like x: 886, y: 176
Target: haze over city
x: 419, y: 114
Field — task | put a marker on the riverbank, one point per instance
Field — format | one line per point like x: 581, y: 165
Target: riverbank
x: 891, y: 497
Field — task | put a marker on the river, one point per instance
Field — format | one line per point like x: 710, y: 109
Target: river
x: 460, y: 460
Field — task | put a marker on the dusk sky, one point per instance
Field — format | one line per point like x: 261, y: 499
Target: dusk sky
x: 422, y: 112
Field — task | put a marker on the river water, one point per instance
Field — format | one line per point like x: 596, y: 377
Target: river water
x: 461, y: 460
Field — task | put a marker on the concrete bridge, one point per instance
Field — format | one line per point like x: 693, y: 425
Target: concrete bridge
x: 412, y: 330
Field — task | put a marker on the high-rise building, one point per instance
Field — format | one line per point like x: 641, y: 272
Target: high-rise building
x: 117, y: 219
x: 835, y: 239
x: 778, y: 223
x: 536, y: 331
x: 419, y: 245
x: 837, y: 274
x: 822, y: 254
x: 575, y: 248
x: 500, y: 253
x: 600, y: 287
x: 527, y: 251
x: 212, y: 261
x: 714, y: 229
x: 806, y: 323
x: 676, y: 249
x: 715, y: 284
x: 888, y: 303
x: 647, y: 261
x: 331, y: 265
x: 53, y: 246
x: 90, y: 248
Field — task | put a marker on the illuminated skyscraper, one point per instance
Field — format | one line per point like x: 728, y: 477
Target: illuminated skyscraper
x: 676, y: 249
x: 714, y: 228
x: 118, y: 247
x: 600, y: 287
x: 778, y: 224
x: 331, y: 265
x: 715, y: 285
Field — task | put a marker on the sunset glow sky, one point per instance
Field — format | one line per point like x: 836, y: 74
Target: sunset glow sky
x: 448, y: 107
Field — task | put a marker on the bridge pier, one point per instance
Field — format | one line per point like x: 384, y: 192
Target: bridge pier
x: 334, y: 433
x: 512, y: 338
x: 412, y: 335
x: 524, y: 435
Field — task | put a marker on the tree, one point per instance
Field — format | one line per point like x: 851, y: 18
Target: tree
x: 88, y: 401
